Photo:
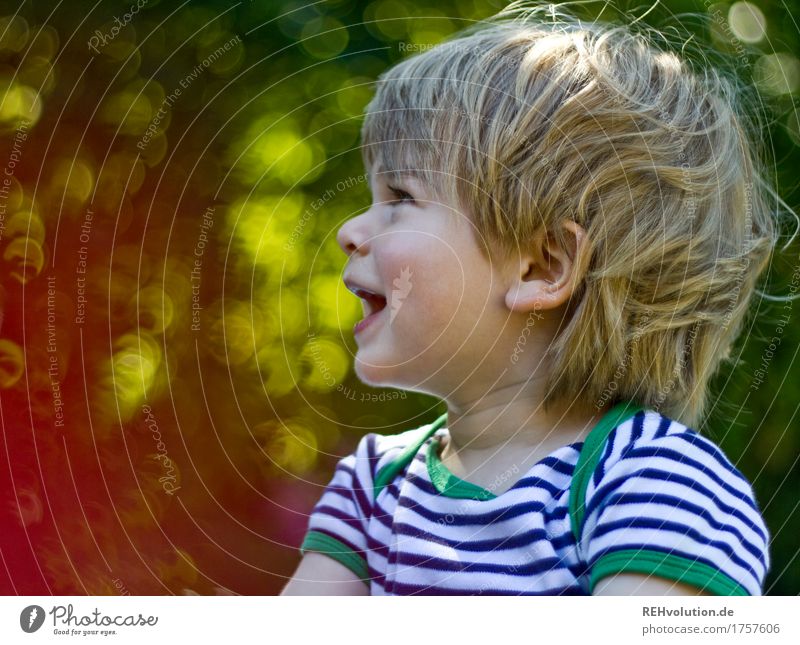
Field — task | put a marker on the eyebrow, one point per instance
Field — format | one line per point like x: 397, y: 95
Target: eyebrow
x: 397, y: 175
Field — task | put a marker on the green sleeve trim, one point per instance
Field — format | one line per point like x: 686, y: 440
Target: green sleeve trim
x: 669, y: 566
x: 591, y: 452
x: 448, y: 484
x: 339, y: 551
x: 390, y: 470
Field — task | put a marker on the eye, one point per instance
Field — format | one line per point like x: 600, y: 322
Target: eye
x: 402, y: 197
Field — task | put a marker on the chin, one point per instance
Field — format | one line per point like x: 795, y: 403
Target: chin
x: 391, y: 376
x: 373, y: 374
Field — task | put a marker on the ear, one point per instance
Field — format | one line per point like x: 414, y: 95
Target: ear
x: 546, y: 272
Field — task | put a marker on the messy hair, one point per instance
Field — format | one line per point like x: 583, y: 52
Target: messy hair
x: 526, y: 120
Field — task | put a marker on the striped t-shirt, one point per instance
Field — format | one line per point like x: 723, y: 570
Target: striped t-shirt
x: 657, y: 498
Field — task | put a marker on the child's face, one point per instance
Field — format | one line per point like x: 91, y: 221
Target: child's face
x: 439, y: 304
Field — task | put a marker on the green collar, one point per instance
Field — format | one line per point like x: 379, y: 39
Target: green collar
x: 447, y: 483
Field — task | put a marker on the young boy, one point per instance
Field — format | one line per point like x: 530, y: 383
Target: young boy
x: 566, y: 230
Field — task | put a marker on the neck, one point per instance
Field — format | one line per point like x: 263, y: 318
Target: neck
x: 512, y: 418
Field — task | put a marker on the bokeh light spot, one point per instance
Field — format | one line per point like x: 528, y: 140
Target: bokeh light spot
x: 13, y: 33
x: 327, y: 363
x: 777, y: 73
x: 11, y: 363
x: 293, y: 447
x: 324, y: 37
x: 20, y: 103
x: 747, y: 22
x: 74, y: 180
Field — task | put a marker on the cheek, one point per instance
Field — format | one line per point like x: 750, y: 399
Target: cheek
x: 439, y: 291
x: 422, y: 264
x: 441, y: 310
x: 411, y: 247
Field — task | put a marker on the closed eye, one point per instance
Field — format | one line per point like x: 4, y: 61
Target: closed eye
x: 401, y: 196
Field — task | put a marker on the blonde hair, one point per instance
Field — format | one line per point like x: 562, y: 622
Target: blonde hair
x: 526, y: 121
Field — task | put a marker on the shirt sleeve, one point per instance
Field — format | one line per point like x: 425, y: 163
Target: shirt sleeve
x: 665, y: 501
x: 338, y: 523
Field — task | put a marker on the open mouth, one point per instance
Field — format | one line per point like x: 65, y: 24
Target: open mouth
x: 372, y: 302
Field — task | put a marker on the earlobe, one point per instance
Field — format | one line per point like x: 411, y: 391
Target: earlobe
x: 536, y: 294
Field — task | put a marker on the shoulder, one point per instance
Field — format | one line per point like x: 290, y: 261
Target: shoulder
x: 653, y: 445
x: 663, y: 487
x: 378, y: 458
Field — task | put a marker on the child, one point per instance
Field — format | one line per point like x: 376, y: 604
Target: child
x: 566, y: 230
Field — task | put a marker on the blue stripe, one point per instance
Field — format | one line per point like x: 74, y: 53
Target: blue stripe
x: 376, y: 577
x: 637, y: 425
x: 557, y: 513
x: 559, y: 465
x: 655, y: 474
x: 386, y: 517
x: 347, y: 494
x: 493, y: 516
x: 663, y: 427
x: 343, y: 467
x: 541, y: 483
x: 532, y: 567
x: 372, y: 454
x: 674, y: 527
x: 377, y: 546
x: 392, y: 494
x: 358, y: 492
x: 406, y: 589
x: 537, y: 536
x: 375, y: 574
x: 636, y: 433
x: 670, y: 501
x: 646, y: 452
x: 381, y: 513
x: 601, y: 465
x: 714, y: 451
x: 490, y: 517
x: 336, y: 513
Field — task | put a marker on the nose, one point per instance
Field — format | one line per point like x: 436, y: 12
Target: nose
x: 353, y: 235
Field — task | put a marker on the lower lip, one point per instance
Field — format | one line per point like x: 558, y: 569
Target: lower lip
x: 362, y: 325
